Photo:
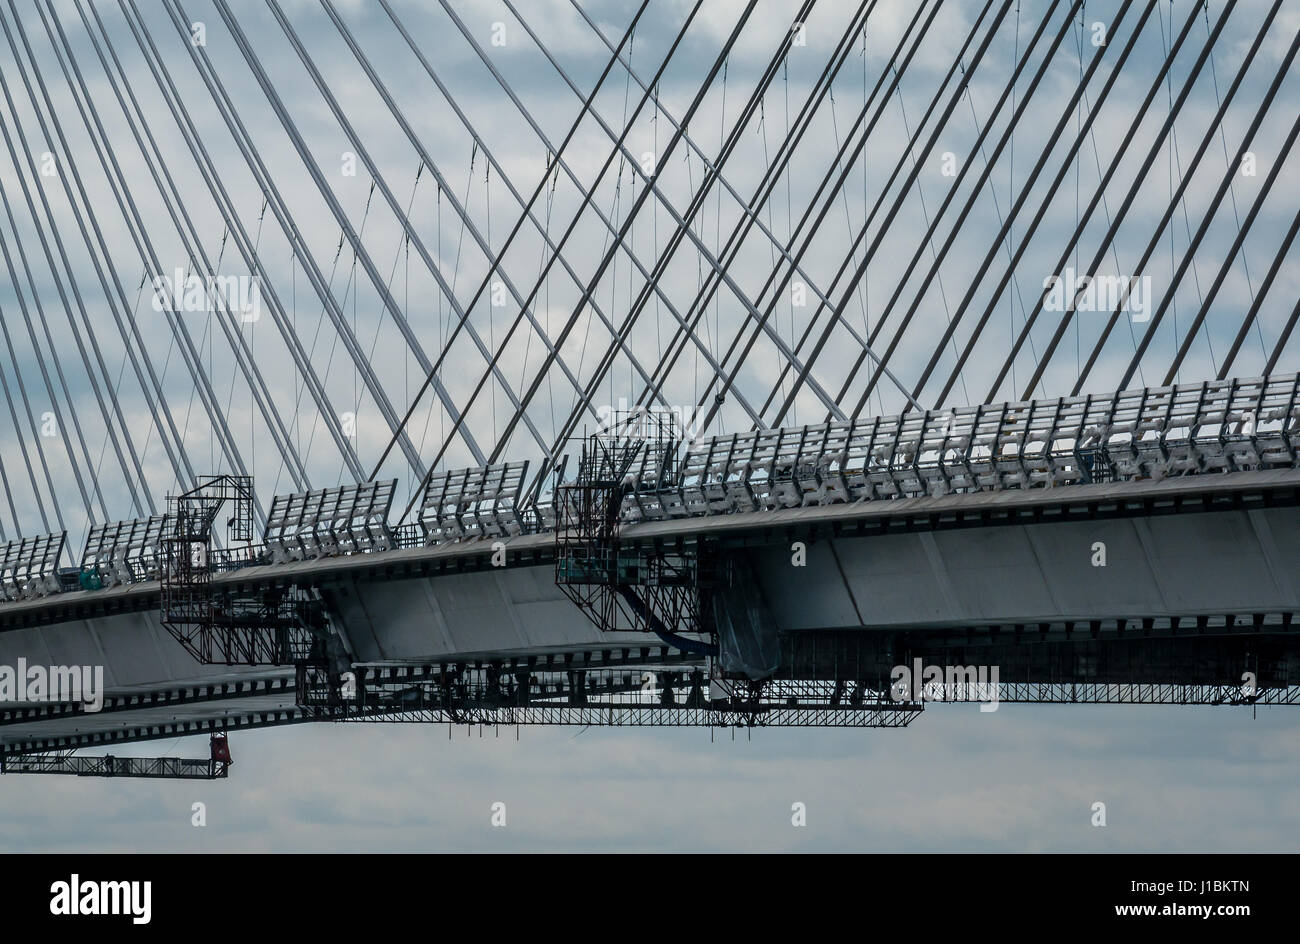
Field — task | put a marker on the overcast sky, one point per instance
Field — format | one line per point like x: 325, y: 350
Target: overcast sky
x: 513, y: 103
x: 1023, y: 778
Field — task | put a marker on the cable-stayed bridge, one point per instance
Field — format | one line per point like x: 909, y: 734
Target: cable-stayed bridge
x: 605, y: 363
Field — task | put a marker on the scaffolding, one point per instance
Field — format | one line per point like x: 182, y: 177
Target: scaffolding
x: 216, y: 766
x: 658, y: 687
x: 625, y: 587
x: 221, y: 624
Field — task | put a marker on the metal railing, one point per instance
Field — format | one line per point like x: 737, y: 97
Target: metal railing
x: 1146, y: 434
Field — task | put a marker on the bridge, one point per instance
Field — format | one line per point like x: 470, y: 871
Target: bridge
x: 561, y: 476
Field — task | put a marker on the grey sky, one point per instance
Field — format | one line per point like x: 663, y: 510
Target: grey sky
x: 1023, y: 778
x: 522, y: 156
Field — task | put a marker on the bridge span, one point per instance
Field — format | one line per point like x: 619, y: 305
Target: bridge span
x: 1138, y: 587
x: 720, y: 223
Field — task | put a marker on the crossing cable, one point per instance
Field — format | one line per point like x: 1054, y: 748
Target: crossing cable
x: 619, y: 148
x: 418, y: 144
x: 684, y: 225
x: 43, y: 319
x: 127, y: 207
x: 1114, y: 251
x: 699, y: 306
x: 1258, y: 300
x: 1097, y: 198
x: 1223, y: 140
x: 609, y: 254
x: 895, y: 75
x: 114, y: 299
x: 116, y: 409
x: 927, y: 241
x: 122, y: 312
x: 997, y: 207
x: 358, y: 248
x: 1140, y: 177
x: 557, y: 156
x: 616, y: 203
x: 1011, y: 189
x: 541, y: 186
x: 36, y: 436
x: 1175, y: 164
x: 245, y: 247
x: 844, y: 199
x: 144, y: 244
x: 860, y: 269
x: 767, y: 164
x: 245, y: 361
x: 849, y: 263
x: 753, y: 208
x: 745, y: 208
x: 1242, y: 230
x: 348, y: 286
x: 248, y: 252
x: 411, y: 235
x: 22, y: 449
x: 410, y: 232
x: 1282, y: 338
x: 1027, y: 188
x: 621, y: 152
x: 750, y: 210
x: 1193, y: 165
x: 840, y: 163
x: 40, y: 360
x: 1004, y: 230
x: 1208, y: 218
x: 193, y: 246
x: 248, y: 150
x: 13, y: 509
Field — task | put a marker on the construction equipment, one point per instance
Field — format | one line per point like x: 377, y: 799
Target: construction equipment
x: 215, y: 767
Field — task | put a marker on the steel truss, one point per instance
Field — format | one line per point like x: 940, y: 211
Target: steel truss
x: 649, y: 716
x: 1109, y: 693
x: 1168, y: 667
x: 634, y: 690
x: 215, y: 767
x: 157, y: 768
